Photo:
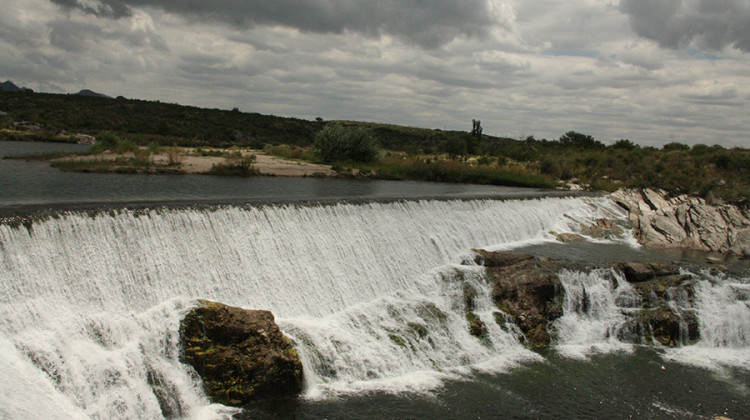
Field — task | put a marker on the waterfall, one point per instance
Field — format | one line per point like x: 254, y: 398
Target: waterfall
x: 594, y: 307
x: 370, y: 294
x: 601, y: 314
x: 405, y: 342
x: 723, y: 307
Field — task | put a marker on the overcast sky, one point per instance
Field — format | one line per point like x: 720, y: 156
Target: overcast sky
x: 653, y: 71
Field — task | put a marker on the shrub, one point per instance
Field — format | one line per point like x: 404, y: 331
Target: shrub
x: 675, y: 146
x: 339, y: 143
x: 175, y: 156
x: 624, y: 144
x: 455, y: 147
x: 485, y: 160
x: 113, y: 143
x: 584, y: 141
x: 289, y: 152
x: 699, y: 149
x: 235, y: 167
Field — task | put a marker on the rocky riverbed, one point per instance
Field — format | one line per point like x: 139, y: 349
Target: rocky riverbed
x: 242, y: 356
x: 527, y: 290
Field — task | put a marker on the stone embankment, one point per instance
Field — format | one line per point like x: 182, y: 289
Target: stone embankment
x: 241, y: 355
x: 682, y: 221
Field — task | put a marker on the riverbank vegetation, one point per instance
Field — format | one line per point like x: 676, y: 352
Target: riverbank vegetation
x: 359, y: 149
x: 235, y: 166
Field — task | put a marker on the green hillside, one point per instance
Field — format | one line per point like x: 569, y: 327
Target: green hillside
x: 412, y: 153
x: 153, y: 121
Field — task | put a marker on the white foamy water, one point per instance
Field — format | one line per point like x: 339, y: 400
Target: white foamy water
x: 600, y: 308
x: 723, y: 308
x: 370, y: 294
x: 593, y: 312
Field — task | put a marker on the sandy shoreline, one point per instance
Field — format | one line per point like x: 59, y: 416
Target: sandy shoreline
x: 187, y: 160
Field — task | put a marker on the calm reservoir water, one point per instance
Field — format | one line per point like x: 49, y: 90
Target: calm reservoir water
x: 90, y: 303
x: 33, y: 185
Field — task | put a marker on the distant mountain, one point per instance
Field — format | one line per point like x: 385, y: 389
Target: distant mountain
x: 86, y: 92
x: 9, y: 86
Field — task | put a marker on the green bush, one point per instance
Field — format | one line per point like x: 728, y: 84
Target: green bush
x: 624, y: 144
x: 675, y: 146
x: 456, y: 171
x: 578, y: 140
x: 113, y: 143
x: 339, y: 143
x: 454, y: 147
x: 235, y: 167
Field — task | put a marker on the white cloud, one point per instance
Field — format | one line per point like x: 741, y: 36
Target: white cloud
x: 711, y: 24
x: 534, y: 67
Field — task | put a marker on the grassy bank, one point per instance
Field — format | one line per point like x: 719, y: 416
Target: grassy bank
x: 7, y: 134
x: 121, y: 165
x: 699, y: 170
x: 450, y: 170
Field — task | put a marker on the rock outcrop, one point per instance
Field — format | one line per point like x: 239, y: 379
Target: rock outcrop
x: 682, y: 221
x: 240, y: 354
x: 527, y: 291
x: 658, y: 320
x: 639, y: 272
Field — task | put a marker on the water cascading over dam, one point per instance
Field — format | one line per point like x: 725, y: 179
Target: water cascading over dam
x: 90, y: 304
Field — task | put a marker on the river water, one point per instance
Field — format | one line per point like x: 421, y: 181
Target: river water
x: 28, y: 186
x: 90, y: 303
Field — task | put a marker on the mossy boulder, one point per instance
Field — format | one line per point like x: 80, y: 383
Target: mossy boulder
x: 241, y: 355
x: 476, y: 326
x: 667, y: 326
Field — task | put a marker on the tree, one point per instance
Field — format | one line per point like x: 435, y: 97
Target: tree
x: 336, y: 142
x: 624, y: 144
x: 674, y: 146
x: 583, y: 141
x: 455, y: 146
x: 476, y: 129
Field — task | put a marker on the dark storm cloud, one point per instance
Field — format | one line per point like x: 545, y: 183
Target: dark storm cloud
x: 72, y: 36
x: 711, y: 24
x: 427, y: 23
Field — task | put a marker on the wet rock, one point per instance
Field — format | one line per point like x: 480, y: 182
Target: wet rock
x: 476, y: 326
x: 667, y: 326
x: 500, y: 259
x: 526, y: 289
x: 660, y: 288
x: 640, y: 272
x: 528, y: 292
x: 469, y: 294
x: 570, y: 237
x: 603, y: 229
x: 241, y: 355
